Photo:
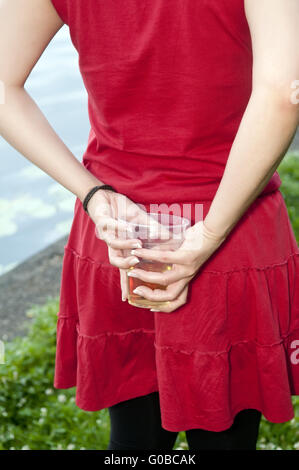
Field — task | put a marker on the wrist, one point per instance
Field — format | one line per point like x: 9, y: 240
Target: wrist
x: 84, y: 189
x: 214, y: 234
x: 97, y: 189
x: 86, y: 182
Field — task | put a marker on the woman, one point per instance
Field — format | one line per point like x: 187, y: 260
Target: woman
x: 189, y: 103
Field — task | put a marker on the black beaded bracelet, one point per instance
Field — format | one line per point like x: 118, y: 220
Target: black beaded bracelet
x: 91, y: 193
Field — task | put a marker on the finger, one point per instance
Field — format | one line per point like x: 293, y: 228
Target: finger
x: 174, y: 274
x: 123, y: 263
x: 159, y: 295
x: 123, y: 284
x: 179, y: 256
x: 116, y: 259
x: 175, y: 304
x: 120, y: 244
x: 107, y: 226
x: 123, y: 243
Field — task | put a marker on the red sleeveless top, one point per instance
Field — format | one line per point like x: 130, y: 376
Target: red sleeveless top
x: 168, y: 83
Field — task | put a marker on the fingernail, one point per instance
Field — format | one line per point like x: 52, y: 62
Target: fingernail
x: 137, y: 291
x: 136, y: 245
x: 131, y: 274
x: 123, y: 299
x: 133, y: 252
x: 134, y: 261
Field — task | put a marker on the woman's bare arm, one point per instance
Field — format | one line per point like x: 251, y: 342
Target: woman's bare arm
x: 271, y: 117
x: 26, y: 28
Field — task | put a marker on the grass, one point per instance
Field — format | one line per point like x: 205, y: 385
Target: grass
x: 34, y: 415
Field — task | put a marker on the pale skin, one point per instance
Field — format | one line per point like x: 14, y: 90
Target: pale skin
x: 266, y: 131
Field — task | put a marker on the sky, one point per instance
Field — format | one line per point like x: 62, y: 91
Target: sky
x: 35, y: 210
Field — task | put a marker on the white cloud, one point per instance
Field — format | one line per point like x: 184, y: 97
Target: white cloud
x: 64, y: 199
x: 13, y: 212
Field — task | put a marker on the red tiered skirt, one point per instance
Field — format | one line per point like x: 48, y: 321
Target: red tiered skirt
x: 233, y: 345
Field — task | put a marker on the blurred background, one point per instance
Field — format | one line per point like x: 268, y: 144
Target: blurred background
x: 35, y: 218
x: 34, y: 209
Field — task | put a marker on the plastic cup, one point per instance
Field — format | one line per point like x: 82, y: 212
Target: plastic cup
x: 162, y: 232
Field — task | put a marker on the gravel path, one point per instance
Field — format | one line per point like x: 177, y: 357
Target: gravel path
x: 31, y: 282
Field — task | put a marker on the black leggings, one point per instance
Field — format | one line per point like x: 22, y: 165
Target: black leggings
x: 136, y: 424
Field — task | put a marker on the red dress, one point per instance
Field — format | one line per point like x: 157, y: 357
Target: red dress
x: 168, y: 83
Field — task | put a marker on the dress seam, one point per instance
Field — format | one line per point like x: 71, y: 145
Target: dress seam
x: 143, y: 330
x: 87, y: 258
x: 112, y: 333
x: 226, y: 351
x: 204, y: 271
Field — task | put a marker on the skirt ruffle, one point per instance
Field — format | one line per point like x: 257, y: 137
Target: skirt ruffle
x: 234, y: 360
x: 233, y: 345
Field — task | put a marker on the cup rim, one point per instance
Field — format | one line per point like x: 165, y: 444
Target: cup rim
x: 182, y: 224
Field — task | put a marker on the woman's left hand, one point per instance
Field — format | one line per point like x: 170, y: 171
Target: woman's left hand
x: 199, y: 244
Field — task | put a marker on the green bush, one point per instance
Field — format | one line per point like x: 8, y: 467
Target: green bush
x: 34, y: 415
x: 289, y: 174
